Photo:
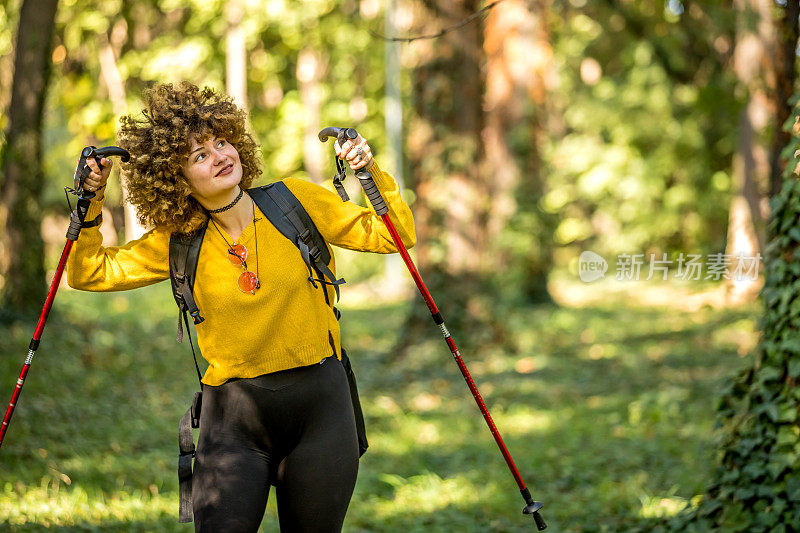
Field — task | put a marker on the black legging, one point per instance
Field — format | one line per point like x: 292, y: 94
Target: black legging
x: 294, y: 429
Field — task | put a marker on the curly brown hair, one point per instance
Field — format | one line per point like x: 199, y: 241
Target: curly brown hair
x: 159, y: 145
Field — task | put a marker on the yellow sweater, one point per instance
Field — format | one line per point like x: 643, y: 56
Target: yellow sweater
x: 286, y: 323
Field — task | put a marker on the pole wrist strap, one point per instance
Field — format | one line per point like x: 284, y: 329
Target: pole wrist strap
x: 92, y: 223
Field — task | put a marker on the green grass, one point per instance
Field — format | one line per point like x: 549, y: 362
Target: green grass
x: 607, y: 409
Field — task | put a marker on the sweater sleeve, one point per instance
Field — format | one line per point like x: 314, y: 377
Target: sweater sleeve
x: 137, y: 263
x: 351, y: 226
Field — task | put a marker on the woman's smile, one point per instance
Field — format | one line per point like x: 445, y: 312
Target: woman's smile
x: 227, y: 169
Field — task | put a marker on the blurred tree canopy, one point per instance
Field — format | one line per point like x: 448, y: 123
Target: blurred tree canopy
x: 624, y: 141
x: 631, y: 141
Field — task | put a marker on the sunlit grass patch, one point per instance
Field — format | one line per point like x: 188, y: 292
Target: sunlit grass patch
x: 522, y: 421
x: 661, y: 506
x: 53, y: 504
x: 425, y: 493
x: 410, y: 432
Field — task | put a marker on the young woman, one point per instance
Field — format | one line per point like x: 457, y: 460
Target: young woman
x: 276, y: 404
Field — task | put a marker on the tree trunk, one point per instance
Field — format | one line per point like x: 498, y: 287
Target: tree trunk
x: 445, y: 144
x: 20, y: 218
x: 519, y: 70
x: 395, y: 277
x: 755, y: 45
x: 236, y: 55
x: 310, y: 69
x: 448, y: 170
x: 783, y: 67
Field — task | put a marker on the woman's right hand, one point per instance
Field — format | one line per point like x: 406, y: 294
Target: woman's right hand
x: 96, y: 180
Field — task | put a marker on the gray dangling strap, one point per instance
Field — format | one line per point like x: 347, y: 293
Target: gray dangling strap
x: 186, y: 445
x: 190, y: 419
x: 179, y: 337
x: 327, y: 273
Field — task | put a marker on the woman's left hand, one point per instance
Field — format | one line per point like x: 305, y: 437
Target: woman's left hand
x: 356, y: 152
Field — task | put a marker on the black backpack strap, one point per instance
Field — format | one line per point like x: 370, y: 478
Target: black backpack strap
x: 288, y: 215
x: 184, y: 251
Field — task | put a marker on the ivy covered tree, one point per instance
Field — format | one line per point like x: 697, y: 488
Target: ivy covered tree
x: 756, y: 487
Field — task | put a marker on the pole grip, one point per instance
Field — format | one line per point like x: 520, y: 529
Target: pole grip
x: 372, y: 192
x: 76, y: 219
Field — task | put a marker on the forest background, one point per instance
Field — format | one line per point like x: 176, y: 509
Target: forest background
x: 523, y: 133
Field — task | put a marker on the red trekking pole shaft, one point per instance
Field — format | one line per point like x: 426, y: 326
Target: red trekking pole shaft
x: 76, y: 222
x: 37, y: 336
x: 531, y: 507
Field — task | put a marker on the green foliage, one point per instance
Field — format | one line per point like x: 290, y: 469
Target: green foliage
x: 606, y: 417
x: 756, y: 486
x: 642, y: 158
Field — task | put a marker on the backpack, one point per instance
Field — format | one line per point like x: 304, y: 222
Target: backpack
x: 287, y: 214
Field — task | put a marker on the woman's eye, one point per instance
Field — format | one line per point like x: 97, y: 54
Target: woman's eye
x: 220, y: 142
x: 199, y: 157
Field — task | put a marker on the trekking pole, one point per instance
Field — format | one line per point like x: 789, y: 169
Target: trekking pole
x: 371, y: 190
x: 76, y: 219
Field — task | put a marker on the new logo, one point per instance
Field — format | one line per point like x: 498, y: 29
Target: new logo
x: 591, y: 266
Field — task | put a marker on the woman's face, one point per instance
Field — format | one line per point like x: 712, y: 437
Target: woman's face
x: 213, y: 170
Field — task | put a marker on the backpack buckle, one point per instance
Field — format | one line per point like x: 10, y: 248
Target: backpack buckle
x: 315, y: 253
x: 196, y: 317
x: 180, y: 280
x: 305, y: 236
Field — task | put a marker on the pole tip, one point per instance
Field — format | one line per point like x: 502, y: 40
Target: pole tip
x: 539, y: 522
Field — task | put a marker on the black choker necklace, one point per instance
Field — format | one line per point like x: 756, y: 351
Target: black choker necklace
x: 233, y: 203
